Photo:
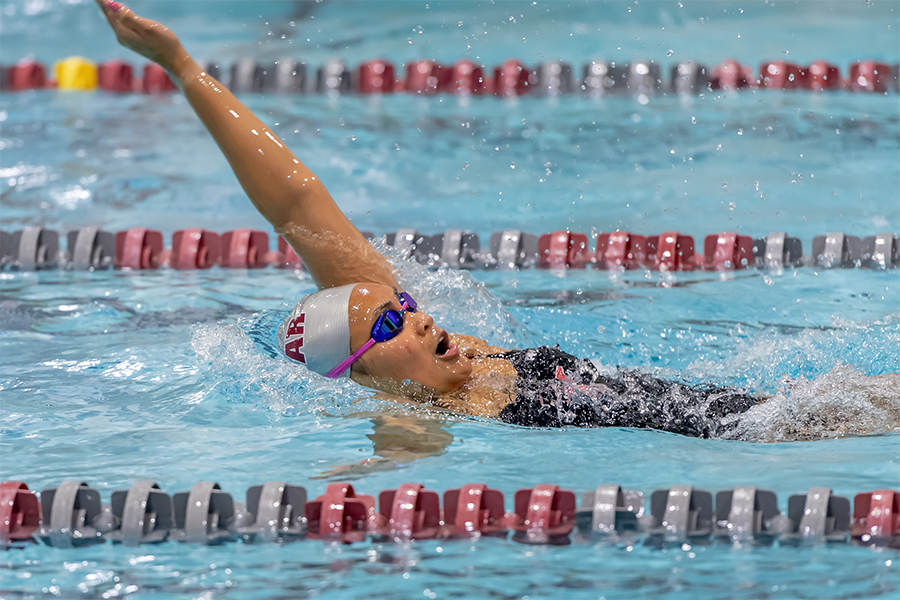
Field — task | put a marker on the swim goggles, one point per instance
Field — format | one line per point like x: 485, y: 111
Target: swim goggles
x: 387, y: 326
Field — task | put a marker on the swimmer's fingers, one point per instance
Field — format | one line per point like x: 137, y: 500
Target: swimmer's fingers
x: 146, y: 37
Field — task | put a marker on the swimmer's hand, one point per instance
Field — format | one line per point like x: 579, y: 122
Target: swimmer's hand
x: 362, y: 468
x: 148, y: 38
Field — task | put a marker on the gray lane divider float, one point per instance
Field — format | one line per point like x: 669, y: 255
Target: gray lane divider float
x: 204, y: 515
x: 36, y: 248
x: 746, y: 513
x: 610, y: 510
x: 73, y: 515
x: 513, y: 249
x: 91, y: 248
x: 883, y: 250
x: 275, y: 513
x: 680, y: 514
x: 819, y: 516
x: 145, y: 513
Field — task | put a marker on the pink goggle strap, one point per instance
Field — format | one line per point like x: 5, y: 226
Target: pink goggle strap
x: 345, y: 364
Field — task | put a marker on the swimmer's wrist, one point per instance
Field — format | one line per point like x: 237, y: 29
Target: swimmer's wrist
x: 181, y: 66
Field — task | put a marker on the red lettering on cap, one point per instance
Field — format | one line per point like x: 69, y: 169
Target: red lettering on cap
x: 292, y: 350
x: 293, y: 340
x: 296, y: 325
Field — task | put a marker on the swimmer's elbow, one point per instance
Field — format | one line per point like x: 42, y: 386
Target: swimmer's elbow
x: 298, y: 205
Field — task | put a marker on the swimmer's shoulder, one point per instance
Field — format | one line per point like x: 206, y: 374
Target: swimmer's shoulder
x: 492, y: 384
x: 473, y: 347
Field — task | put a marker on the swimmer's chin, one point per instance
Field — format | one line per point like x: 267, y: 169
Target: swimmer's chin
x: 403, y: 390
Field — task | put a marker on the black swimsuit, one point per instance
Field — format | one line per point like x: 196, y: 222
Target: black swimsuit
x: 556, y: 389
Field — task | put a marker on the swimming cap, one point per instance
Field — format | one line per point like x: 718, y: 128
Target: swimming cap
x: 317, y: 333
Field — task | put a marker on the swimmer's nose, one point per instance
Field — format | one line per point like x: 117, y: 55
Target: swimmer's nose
x: 423, y: 323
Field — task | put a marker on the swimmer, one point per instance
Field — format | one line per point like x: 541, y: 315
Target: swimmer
x: 362, y: 324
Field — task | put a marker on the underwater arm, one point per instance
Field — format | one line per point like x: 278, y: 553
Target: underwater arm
x: 398, y: 440
x: 281, y: 187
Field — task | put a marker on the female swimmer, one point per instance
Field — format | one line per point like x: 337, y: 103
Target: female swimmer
x: 361, y: 324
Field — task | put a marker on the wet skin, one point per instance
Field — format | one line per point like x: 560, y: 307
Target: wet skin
x: 421, y: 356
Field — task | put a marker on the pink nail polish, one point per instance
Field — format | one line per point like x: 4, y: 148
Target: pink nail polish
x: 114, y: 5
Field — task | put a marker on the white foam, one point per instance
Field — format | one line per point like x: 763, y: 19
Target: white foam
x: 842, y: 402
x: 240, y: 371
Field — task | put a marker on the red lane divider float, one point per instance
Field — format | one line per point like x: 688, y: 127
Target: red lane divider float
x: 427, y: 77
x: 341, y: 515
x: 870, y: 76
x: 409, y: 512
x: 468, y: 79
x: 671, y: 251
x: 563, y: 249
x: 195, y: 248
x: 474, y: 509
x: 156, y: 80
x: 20, y: 513
x: 544, y: 514
x: 876, y: 518
x: 72, y: 515
x: 621, y: 250
x: 822, y: 76
x: 245, y: 249
x: 25, y: 75
x: 139, y: 248
x: 376, y: 77
x: 115, y: 76
x: 89, y: 248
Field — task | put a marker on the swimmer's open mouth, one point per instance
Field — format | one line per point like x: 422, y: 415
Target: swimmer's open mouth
x: 445, y: 348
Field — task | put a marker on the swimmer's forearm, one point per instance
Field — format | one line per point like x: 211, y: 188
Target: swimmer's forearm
x: 274, y: 179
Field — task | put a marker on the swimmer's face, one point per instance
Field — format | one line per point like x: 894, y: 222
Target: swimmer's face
x: 421, y: 352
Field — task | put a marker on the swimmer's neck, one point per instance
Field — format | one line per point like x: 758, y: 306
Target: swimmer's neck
x: 410, y: 390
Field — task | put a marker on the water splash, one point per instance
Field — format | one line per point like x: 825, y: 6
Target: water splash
x: 457, y: 302
x: 842, y: 402
x: 240, y: 370
x: 762, y: 360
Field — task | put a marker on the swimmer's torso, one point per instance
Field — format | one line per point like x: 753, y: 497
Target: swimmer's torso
x: 546, y: 387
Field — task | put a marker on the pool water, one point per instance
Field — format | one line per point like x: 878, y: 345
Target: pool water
x: 110, y: 377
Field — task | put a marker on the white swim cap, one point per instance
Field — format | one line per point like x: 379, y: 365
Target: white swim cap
x: 317, y: 333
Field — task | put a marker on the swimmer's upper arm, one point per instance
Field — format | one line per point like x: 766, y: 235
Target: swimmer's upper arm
x: 331, y: 247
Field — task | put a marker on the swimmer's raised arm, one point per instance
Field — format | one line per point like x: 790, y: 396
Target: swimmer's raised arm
x: 281, y: 187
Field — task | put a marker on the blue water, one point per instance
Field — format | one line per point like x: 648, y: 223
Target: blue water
x: 110, y: 377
